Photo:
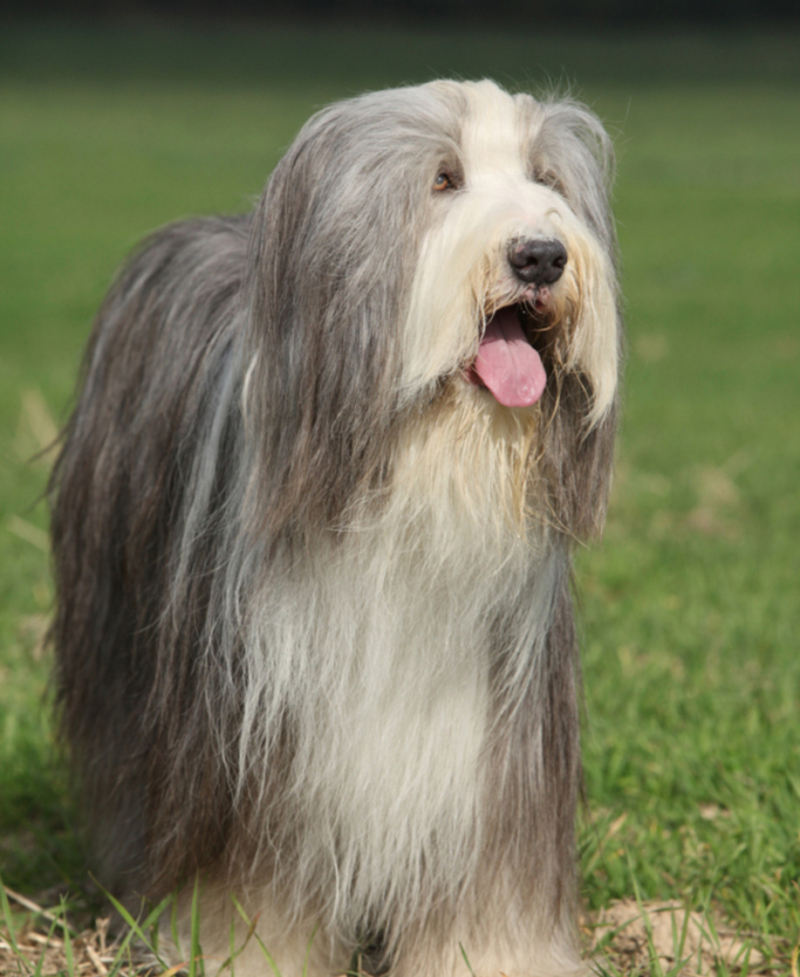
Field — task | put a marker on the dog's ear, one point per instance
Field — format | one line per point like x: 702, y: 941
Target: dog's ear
x: 577, y: 466
x: 335, y: 241
x: 572, y: 147
x: 323, y: 299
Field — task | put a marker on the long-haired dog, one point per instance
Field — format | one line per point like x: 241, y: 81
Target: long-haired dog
x: 312, y: 523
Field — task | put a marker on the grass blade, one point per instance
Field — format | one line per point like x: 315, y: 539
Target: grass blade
x: 252, y: 927
x: 655, y: 961
x: 248, y: 936
x: 308, y: 951
x: 466, y: 958
x: 195, y: 952
x: 173, y: 926
x: 139, y: 929
x: 7, y: 918
x: 40, y: 961
x: 67, y: 942
x: 134, y: 929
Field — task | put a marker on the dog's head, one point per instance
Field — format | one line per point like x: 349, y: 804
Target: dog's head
x: 431, y: 254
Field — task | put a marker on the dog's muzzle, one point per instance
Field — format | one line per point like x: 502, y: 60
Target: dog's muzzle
x: 538, y: 262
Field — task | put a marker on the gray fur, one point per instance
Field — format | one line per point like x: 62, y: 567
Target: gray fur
x: 222, y: 519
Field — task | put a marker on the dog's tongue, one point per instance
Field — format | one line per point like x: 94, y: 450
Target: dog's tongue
x: 507, y: 363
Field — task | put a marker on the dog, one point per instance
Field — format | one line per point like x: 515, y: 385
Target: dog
x: 313, y: 518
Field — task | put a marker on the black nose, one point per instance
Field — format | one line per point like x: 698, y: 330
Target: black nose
x: 538, y: 262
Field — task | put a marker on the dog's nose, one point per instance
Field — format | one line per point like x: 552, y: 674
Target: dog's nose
x: 538, y: 262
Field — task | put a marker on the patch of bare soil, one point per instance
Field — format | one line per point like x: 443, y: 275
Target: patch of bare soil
x: 663, y: 938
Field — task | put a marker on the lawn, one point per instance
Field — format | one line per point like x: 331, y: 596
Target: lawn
x: 690, y: 608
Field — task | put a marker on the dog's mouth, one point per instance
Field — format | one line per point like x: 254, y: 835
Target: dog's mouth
x: 509, y: 362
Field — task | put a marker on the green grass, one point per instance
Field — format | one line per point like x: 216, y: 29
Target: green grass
x: 690, y: 609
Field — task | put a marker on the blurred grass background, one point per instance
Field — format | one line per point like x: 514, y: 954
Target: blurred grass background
x: 690, y: 609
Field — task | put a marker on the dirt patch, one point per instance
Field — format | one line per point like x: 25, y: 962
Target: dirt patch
x: 655, y: 937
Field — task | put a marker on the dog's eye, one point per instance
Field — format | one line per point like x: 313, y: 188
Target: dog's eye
x: 548, y: 179
x: 443, y: 181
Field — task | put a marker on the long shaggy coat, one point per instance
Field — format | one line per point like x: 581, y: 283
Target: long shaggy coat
x: 312, y: 524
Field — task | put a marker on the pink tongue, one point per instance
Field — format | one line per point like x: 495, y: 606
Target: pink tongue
x: 507, y: 363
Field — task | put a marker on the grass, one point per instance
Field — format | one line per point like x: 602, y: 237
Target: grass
x: 690, y: 610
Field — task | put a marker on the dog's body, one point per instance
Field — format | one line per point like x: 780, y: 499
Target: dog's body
x: 312, y: 526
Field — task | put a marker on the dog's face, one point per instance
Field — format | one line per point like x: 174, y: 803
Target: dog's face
x: 447, y: 242
x: 513, y: 280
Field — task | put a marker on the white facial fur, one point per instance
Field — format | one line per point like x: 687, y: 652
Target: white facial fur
x: 463, y: 270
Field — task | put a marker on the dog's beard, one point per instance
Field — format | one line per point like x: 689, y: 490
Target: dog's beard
x: 506, y: 338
